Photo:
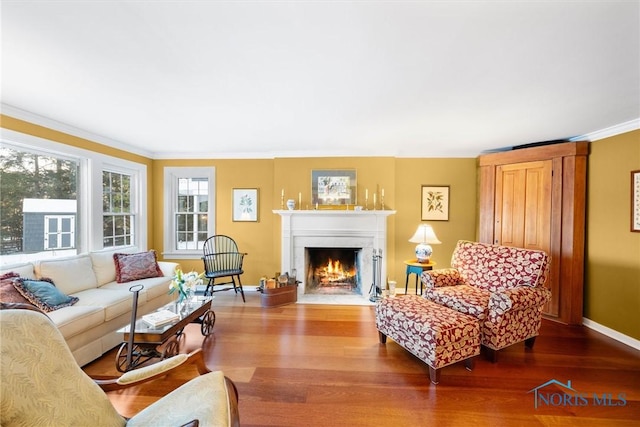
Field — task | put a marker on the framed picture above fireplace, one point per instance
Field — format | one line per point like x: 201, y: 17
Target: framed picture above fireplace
x: 333, y: 187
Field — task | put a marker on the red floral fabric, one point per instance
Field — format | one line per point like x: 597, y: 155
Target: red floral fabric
x: 8, y: 292
x: 463, y: 299
x: 513, y: 327
x: 501, y: 286
x: 137, y: 266
x: 517, y: 299
x: 441, y: 277
x: 435, y: 334
x: 496, y: 268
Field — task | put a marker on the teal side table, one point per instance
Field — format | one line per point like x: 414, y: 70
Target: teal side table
x: 415, y: 267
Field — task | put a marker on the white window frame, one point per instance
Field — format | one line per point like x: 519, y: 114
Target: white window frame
x: 133, y: 201
x: 58, y: 232
x: 171, y: 176
x: 89, y: 224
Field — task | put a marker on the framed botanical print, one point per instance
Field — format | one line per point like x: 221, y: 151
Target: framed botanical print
x: 245, y: 204
x: 435, y: 203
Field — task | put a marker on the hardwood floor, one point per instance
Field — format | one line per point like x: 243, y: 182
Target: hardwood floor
x: 319, y: 365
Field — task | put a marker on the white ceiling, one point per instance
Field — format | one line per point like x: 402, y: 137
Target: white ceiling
x: 239, y: 79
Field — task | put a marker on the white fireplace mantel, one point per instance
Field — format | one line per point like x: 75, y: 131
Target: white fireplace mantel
x: 332, y: 228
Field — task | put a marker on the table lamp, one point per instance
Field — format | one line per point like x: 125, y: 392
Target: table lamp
x: 424, y: 237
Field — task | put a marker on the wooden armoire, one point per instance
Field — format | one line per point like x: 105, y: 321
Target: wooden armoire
x: 536, y: 198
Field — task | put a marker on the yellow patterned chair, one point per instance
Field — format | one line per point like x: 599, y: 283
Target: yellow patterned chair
x: 42, y: 385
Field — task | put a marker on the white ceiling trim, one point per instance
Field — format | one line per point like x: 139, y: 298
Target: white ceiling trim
x: 17, y: 113
x: 36, y: 119
x: 618, y: 129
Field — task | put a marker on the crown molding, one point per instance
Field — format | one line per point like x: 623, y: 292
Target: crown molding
x: 618, y: 129
x: 36, y: 119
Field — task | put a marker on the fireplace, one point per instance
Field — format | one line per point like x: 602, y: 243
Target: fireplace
x: 365, y: 231
x: 333, y: 271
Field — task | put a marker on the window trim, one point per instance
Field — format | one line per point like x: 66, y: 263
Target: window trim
x: 47, y: 231
x: 171, y: 176
x: 89, y: 224
x: 134, y: 207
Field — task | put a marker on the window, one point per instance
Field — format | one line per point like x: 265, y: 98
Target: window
x: 38, y: 199
x: 59, y: 232
x: 117, y: 216
x: 189, y: 210
x: 58, y: 200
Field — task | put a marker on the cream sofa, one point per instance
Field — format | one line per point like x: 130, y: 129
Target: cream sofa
x: 104, y: 306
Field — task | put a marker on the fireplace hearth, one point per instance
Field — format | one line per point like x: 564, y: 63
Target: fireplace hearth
x: 348, y: 230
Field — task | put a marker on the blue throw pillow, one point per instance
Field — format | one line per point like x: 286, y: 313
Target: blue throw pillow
x: 43, y: 294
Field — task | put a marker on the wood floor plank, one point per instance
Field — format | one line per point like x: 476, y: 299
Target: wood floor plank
x: 315, y: 365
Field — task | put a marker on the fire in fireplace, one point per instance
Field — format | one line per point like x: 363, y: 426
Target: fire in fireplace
x: 333, y: 271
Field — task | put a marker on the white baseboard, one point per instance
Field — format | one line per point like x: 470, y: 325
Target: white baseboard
x: 611, y: 333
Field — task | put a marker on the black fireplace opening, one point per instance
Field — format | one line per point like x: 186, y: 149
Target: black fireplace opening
x: 333, y: 271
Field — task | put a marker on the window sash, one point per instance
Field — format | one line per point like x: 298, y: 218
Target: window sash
x: 189, y: 210
x: 59, y: 232
x: 118, y: 218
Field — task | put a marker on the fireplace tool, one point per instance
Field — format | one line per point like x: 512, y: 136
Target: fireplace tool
x: 375, y: 292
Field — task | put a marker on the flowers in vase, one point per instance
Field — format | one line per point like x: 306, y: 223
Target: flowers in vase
x: 185, y: 284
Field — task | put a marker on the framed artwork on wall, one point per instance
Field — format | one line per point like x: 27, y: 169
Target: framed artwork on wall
x: 435, y: 203
x: 245, y: 204
x: 333, y: 187
x: 635, y: 201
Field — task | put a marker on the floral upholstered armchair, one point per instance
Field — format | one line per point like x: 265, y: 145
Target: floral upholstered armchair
x: 42, y: 385
x: 501, y: 286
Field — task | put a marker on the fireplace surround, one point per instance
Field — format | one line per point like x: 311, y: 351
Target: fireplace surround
x: 302, y: 229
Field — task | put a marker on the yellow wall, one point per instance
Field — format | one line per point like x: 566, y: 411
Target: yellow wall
x: 255, y: 238
x: 612, y: 288
x: 411, y: 174
x: 400, y: 178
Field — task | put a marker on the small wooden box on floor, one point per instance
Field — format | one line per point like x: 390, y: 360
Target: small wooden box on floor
x: 274, y: 297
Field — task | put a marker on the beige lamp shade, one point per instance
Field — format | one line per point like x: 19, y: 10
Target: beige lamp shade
x: 424, y: 237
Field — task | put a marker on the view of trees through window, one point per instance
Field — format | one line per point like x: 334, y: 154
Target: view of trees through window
x: 191, y: 213
x: 38, y: 201
x: 117, y: 225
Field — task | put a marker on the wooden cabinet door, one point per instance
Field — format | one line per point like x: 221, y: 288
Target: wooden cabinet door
x: 523, y: 198
x: 523, y: 205
x: 536, y: 198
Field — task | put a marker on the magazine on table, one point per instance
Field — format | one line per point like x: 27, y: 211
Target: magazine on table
x: 160, y: 318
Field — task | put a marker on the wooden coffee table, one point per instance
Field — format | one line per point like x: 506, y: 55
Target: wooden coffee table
x: 162, y: 342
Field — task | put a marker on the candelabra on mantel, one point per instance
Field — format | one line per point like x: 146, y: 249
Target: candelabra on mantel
x: 375, y: 199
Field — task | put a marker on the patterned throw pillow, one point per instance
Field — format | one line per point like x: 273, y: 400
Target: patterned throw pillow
x: 43, y: 294
x: 136, y: 266
x: 8, y: 293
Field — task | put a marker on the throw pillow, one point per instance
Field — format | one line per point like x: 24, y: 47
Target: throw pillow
x: 8, y: 293
x: 43, y: 294
x: 136, y: 266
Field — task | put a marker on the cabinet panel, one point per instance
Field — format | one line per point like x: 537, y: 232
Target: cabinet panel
x: 523, y: 205
x: 535, y: 198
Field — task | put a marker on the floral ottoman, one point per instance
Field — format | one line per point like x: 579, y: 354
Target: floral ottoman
x: 437, y: 335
